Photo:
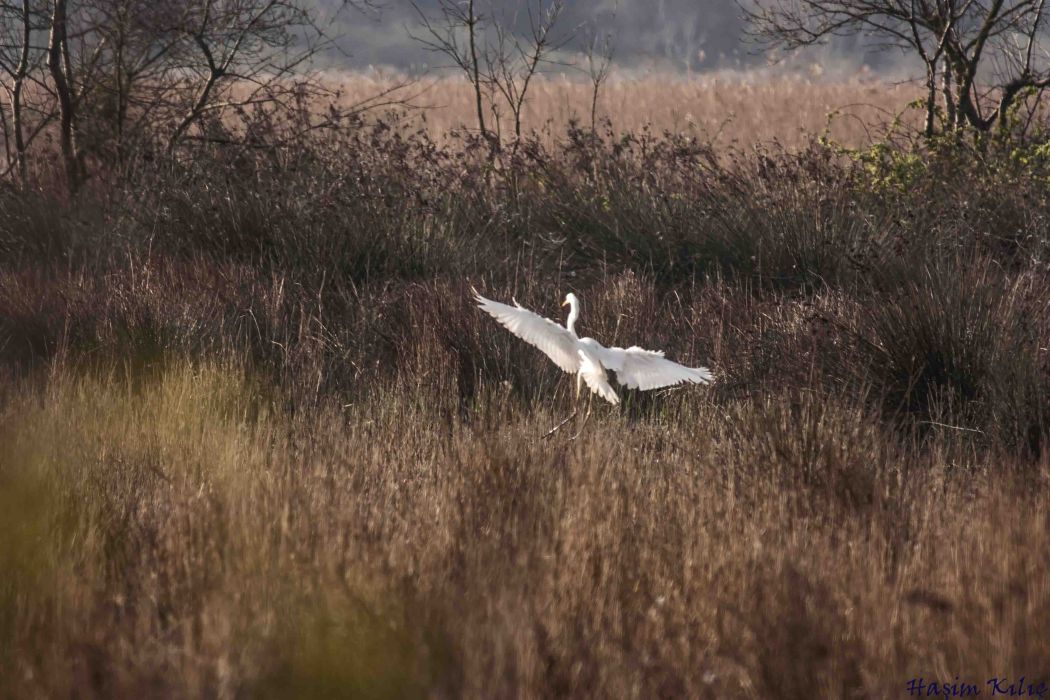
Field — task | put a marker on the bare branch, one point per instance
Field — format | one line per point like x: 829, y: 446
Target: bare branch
x: 956, y: 37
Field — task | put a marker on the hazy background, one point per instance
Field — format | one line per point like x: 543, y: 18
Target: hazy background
x: 668, y: 35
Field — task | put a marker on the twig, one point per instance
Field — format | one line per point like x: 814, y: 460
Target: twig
x: 952, y: 427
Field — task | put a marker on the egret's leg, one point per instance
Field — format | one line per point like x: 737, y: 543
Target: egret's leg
x: 575, y: 410
x: 586, y: 416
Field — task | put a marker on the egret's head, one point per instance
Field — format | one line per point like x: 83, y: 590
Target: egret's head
x: 571, y: 301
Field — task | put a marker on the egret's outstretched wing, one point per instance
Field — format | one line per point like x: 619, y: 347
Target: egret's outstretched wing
x: 556, y: 342
x: 594, y: 376
x: 637, y: 368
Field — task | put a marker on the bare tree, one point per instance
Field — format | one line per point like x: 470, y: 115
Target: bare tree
x: 60, y: 66
x: 141, y: 56
x: 87, y: 41
x: 988, y: 52
x: 499, y: 63
x: 443, y: 35
x: 512, y: 62
x: 599, y: 52
x: 20, y: 61
x: 126, y: 78
x: 246, y: 54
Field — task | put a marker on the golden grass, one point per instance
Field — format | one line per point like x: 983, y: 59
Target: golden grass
x: 180, y: 534
x: 726, y: 108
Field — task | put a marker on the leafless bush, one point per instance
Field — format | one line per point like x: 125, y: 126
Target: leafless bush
x: 981, y: 58
x: 499, y: 64
x: 122, y: 80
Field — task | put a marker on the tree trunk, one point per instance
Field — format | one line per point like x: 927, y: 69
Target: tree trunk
x: 931, y: 99
x: 594, y: 108
x: 472, y: 22
x: 16, y: 97
x: 58, y: 64
x: 951, y: 114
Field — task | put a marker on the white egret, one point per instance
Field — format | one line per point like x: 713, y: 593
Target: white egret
x: 635, y: 367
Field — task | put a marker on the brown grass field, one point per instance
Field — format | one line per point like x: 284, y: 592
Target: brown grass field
x: 257, y: 441
x: 728, y: 108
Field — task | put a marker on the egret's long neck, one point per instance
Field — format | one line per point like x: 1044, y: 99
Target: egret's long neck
x: 574, y: 313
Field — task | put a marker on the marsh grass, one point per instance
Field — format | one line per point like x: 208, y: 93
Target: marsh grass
x: 256, y: 440
x: 729, y: 108
x: 178, y: 535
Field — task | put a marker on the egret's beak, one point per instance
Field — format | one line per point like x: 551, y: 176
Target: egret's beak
x: 565, y: 303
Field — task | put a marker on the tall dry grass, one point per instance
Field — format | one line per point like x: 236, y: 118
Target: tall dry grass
x: 256, y: 440
x: 179, y: 535
x: 731, y: 108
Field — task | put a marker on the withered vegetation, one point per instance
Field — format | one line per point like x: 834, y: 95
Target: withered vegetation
x: 256, y: 440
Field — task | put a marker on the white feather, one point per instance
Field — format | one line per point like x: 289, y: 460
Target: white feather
x: 594, y: 376
x: 556, y: 342
x: 635, y: 367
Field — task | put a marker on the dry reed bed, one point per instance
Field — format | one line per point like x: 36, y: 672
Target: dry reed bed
x: 190, y: 527
x: 255, y: 440
x: 732, y: 108
x: 189, y: 539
